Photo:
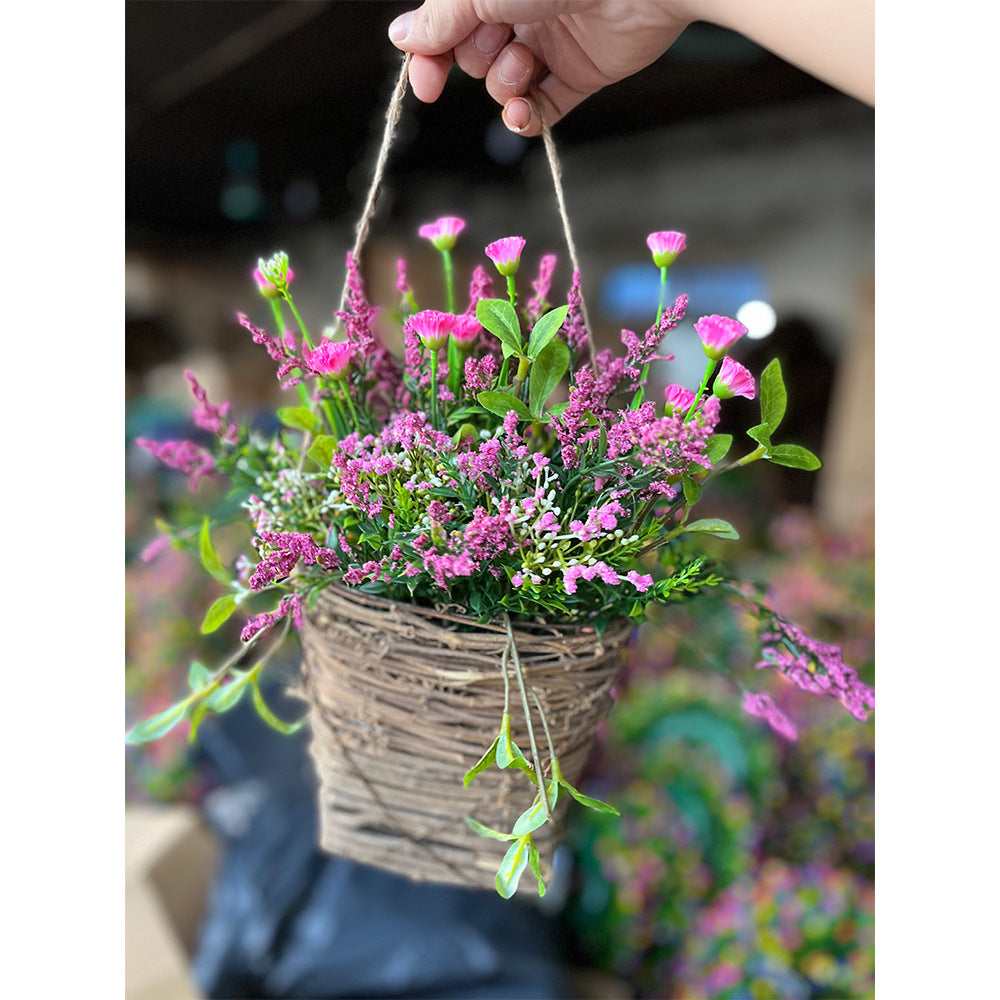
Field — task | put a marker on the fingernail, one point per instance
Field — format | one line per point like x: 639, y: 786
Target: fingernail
x: 511, y: 70
x: 399, y: 28
x: 487, y: 38
x: 517, y: 114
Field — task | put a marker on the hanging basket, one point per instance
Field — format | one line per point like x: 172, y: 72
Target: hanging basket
x: 403, y: 700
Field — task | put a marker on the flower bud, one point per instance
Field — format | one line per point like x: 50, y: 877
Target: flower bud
x: 506, y: 254
x: 432, y: 327
x: 272, y: 276
x: 666, y: 247
x: 678, y: 398
x: 733, y: 380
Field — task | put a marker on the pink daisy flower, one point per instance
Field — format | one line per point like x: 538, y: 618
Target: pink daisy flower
x: 444, y: 232
x: 718, y: 334
x: 678, y: 398
x: 432, y: 327
x: 466, y: 331
x: 331, y: 358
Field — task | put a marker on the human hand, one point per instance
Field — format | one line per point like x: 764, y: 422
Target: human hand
x: 539, y: 58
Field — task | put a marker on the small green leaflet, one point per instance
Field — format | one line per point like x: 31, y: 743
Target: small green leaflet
x: 268, y: 716
x: 486, y: 831
x: 301, y: 418
x: 718, y: 446
x: 157, y: 726
x: 545, y: 328
x: 535, y: 815
x: 794, y: 457
x: 546, y: 372
x: 502, y: 402
x: 713, y: 526
x: 321, y: 450
x: 487, y: 760
x: 773, y: 397
x: 500, y: 318
x: 218, y: 613
x: 209, y: 560
x: 536, y: 866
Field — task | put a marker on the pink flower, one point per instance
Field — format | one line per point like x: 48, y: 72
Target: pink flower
x: 466, y: 331
x: 678, y: 398
x: 718, y: 334
x: 666, y: 247
x: 432, y: 327
x: 763, y: 707
x: 331, y: 358
x: 506, y: 254
x: 444, y: 232
x: 733, y: 380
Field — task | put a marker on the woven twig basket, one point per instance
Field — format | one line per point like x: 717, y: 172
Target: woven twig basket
x: 403, y: 700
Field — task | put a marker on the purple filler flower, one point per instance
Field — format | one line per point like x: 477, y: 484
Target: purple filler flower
x: 718, y: 334
x: 444, y: 232
x: 666, y: 247
x: 733, y: 380
x: 331, y: 358
x: 432, y: 327
x: 506, y: 254
x: 762, y: 706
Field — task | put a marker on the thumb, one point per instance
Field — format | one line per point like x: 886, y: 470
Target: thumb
x: 435, y: 27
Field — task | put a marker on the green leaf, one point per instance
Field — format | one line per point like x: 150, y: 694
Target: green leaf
x: 535, y: 815
x: 268, y: 716
x: 713, y: 526
x: 513, y: 864
x: 485, y: 831
x: 794, y: 457
x: 773, y: 398
x: 300, y: 418
x: 545, y: 328
x: 692, y: 491
x: 159, y: 725
x: 218, y: 613
x: 209, y: 560
x: 487, y: 760
x: 536, y: 866
x: 500, y: 318
x: 508, y: 753
x: 225, y: 696
x: 322, y: 449
x: 502, y: 402
x: 586, y: 800
x: 717, y: 447
x: 761, y: 434
x: 547, y: 371
x: 198, y: 675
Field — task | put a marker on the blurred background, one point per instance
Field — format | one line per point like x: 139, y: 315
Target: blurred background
x: 745, y: 865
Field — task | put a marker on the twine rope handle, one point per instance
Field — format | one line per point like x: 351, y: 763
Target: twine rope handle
x: 392, y: 116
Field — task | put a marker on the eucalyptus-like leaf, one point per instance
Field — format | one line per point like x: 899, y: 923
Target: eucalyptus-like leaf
x: 225, y: 696
x: 500, y: 318
x: 545, y: 328
x: 692, y: 491
x: 487, y: 760
x: 209, y: 560
x: 268, y: 716
x: 486, y: 831
x: 713, y: 526
x: 159, y: 725
x: 587, y: 800
x: 536, y: 815
x: 794, y: 457
x: 501, y: 403
x: 513, y: 864
x: 717, y: 447
x: 547, y: 371
x: 536, y: 866
x: 773, y: 398
x: 219, y: 613
x: 299, y: 418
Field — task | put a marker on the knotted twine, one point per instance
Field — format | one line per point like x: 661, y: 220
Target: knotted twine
x: 405, y: 699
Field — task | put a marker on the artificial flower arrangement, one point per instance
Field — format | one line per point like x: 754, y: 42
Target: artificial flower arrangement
x: 502, y: 467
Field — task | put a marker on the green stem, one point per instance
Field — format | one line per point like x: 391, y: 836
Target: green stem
x: 527, y: 717
x: 434, y: 368
x: 298, y: 319
x: 663, y: 294
x: 449, y: 280
x: 701, y: 389
x: 511, y: 290
x: 345, y: 391
x: 753, y: 456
